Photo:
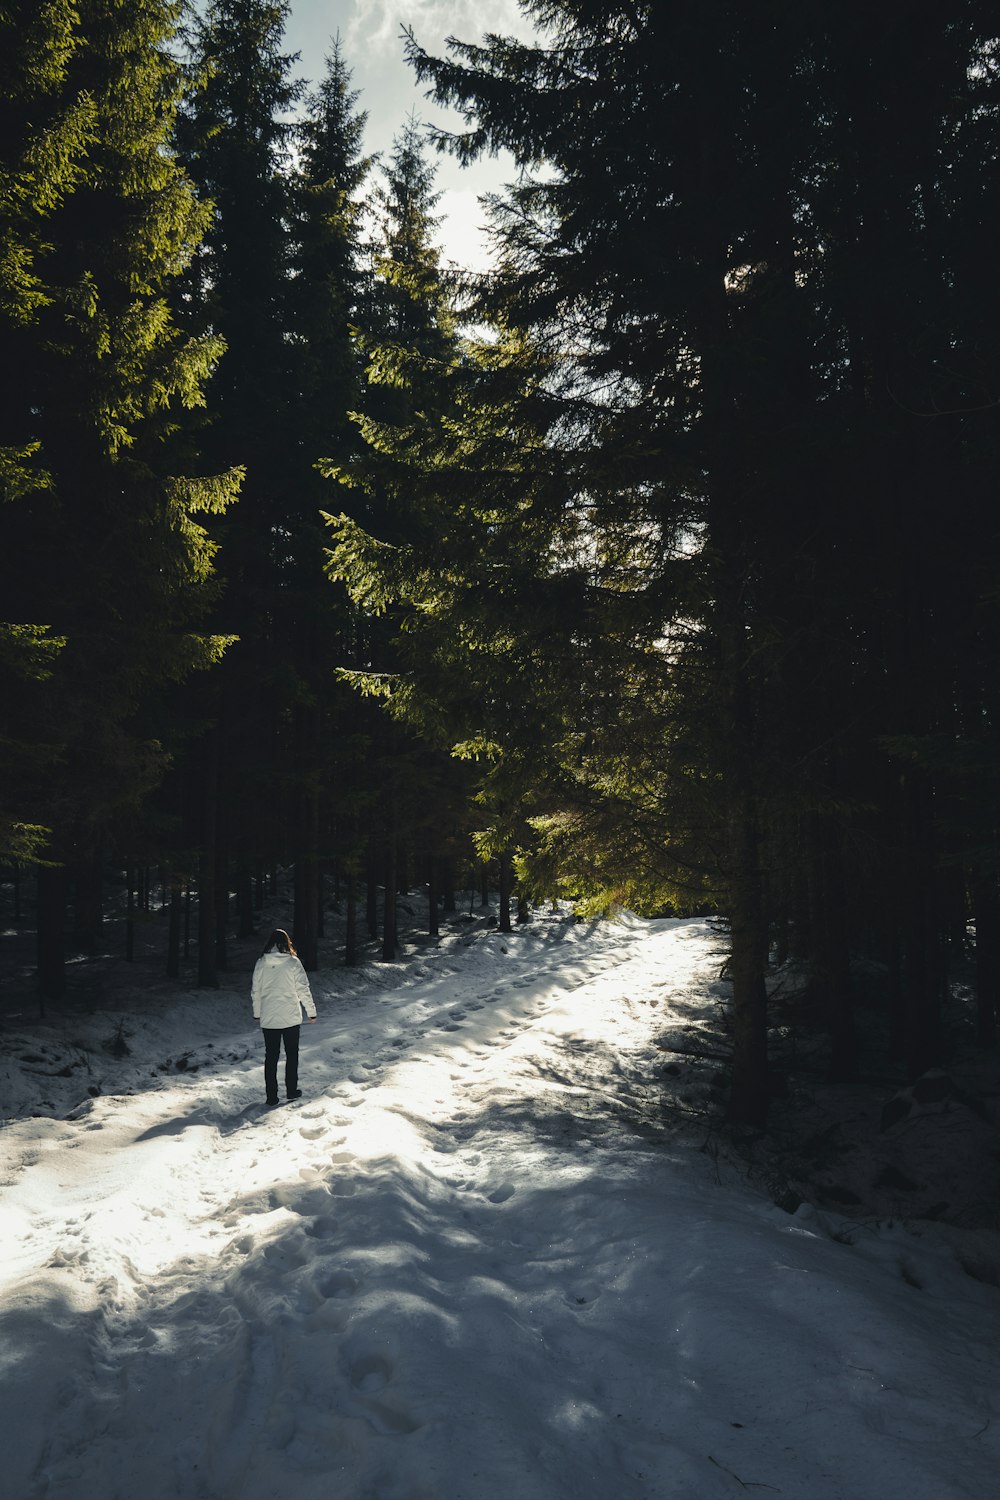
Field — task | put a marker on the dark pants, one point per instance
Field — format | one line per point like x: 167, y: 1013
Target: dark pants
x: 272, y: 1046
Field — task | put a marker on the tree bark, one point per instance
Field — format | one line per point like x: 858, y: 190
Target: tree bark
x: 986, y: 901
x: 244, y: 899
x: 87, y: 906
x: 174, y: 932
x: 748, y: 1102
x: 389, y: 904
x: 448, y: 886
x: 351, y: 931
x: 129, y: 913
x: 433, y: 925
x: 830, y: 957
x: 221, y: 911
x: 208, y: 974
x: 506, y: 885
x: 307, y: 881
x: 51, y: 934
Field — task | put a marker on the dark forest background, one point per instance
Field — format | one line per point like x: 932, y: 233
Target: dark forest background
x: 656, y: 567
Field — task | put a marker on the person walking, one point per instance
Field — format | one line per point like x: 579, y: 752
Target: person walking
x: 280, y: 992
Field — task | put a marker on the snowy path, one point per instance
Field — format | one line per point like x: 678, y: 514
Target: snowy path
x: 451, y: 1272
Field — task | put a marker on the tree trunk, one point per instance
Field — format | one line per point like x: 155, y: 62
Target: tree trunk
x: 371, y: 897
x: 130, y: 913
x: 174, y: 932
x: 830, y: 957
x: 87, y: 912
x: 389, y: 905
x: 749, y: 1097
x: 307, y: 880
x: 244, y: 899
x: 221, y: 911
x: 51, y: 934
x: 986, y: 900
x: 921, y: 964
x: 448, y: 886
x: 506, y: 884
x: 732, y: 461
x: 433, y: 926
x: 351, y: 932
x: 208, y: 974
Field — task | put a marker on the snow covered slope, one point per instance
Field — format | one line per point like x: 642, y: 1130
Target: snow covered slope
x: 456, y: 1269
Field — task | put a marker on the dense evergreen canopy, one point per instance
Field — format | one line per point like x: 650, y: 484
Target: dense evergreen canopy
x: 670, y: 545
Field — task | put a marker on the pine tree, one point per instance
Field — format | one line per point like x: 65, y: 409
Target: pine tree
x: 103, y: 541
x: 236, y: 138
x: 750, y: 262
x: 410, y: 343
x: 44, y: 137
x: 327, y: 294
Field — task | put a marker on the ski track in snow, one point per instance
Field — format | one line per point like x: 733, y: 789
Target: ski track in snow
x: 452, y: 1272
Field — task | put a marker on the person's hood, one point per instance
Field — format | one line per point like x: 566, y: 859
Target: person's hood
x: 276, y: 958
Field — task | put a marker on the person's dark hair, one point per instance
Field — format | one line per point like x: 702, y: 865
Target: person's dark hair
x: 280, y: 940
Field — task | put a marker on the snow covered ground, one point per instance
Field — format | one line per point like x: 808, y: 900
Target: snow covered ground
x: 464, y: 1266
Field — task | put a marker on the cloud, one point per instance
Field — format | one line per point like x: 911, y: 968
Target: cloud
x: 462, y: 234
x: 377, y: 24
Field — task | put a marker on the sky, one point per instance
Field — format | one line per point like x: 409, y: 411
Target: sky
x: 370, y: 31
x: 475, y: 1260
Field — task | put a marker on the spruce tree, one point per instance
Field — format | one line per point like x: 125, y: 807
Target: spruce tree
x: 327, y: 295
x: 44, y: 137
x: 749, y: 267
x: 410, y: 343
x: 235, y: 138
x: 103, y: 541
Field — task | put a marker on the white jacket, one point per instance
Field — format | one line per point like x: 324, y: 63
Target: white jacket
x: 280, y: 990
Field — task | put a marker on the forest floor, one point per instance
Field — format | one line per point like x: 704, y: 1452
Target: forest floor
x: 502, y: 1249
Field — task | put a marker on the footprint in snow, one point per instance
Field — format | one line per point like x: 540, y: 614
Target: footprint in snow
x: 503, y: 1192
x: 338, y: 1189
x: 582, y: 1296
x: 312, y: 1132
x: 322, y: 1228
x: 284, y: 1257
x: 311, y: 1201
x: 387, y: 1420
x: 371, y: 1373
x: 338, y: 1284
